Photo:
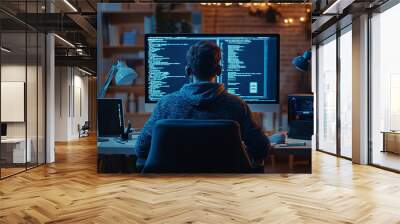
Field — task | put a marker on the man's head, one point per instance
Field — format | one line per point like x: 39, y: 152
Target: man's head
x: 203, y: 61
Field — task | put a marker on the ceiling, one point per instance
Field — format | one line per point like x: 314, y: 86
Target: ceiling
x: 73, y: 20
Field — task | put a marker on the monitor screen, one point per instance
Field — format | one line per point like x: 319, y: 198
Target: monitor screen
x: 301, y: 107
x: 3, y: 129
x: 110, y: 117
x: 249, y: 62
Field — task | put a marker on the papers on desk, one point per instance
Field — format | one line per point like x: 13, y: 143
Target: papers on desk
x: 290, y: 144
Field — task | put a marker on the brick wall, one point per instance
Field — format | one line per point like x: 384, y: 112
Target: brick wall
x: 295, y: 37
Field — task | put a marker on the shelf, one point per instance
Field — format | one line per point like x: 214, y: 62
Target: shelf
x: 137, y: 119
x: 137, y: 90
x: 138, y: 114
x: 108, y: 51
x: 129, y: 60
x: 126, y: 17
x: 178, y: 15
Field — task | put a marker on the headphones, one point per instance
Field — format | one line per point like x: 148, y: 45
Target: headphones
x: 189, y: 70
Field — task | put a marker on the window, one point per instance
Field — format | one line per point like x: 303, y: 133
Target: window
x: 327, y: 96
x: 345, y: 42
x: 385, y: 89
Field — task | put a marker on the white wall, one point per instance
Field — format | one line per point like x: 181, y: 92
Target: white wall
x: 71, y: 102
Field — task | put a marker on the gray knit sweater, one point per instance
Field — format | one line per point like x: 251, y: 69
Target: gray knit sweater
x: 204, y: 100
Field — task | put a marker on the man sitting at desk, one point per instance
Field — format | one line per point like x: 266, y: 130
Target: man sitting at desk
x: 204, y: 98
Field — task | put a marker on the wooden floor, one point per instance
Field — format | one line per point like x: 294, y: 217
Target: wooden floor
x: 70, y: 191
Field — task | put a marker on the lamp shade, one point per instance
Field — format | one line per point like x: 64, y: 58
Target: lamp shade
x: 125, y: 75
x: 302, y: 62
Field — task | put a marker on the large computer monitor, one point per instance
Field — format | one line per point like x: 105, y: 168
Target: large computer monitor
x: 110, y: 117
x: 250, y: 64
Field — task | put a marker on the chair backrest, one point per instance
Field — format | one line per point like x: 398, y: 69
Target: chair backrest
x: 86, y: 124
x: 196, y: 146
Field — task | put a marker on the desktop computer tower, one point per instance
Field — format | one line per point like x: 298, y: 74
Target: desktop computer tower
x: 301, y: 116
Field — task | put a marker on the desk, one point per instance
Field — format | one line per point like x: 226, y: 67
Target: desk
x: 13, y: 150
x: 391, y: 141
x: 115, y: 155
x: 292, y: 153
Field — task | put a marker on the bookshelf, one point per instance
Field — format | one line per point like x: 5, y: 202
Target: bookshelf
x: 121, y: 28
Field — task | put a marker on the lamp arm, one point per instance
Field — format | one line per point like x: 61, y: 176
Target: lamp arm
x: 110, y: 75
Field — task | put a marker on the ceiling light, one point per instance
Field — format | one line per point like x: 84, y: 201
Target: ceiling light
x: 84, y: 71
x: 302, y: 19
x: 70, y: 5
x: 285, y: 20
x: 290, y: 20
x: 5, y: 50
x: 337, y: 7
x: 65, y: 41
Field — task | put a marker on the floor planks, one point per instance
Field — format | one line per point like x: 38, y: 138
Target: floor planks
x: 70, y: 191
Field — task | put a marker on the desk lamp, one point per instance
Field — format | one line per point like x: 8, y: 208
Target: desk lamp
x: 123, y: 76
x: 302, y: 62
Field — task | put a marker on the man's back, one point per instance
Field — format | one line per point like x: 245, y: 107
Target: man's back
x: 204, y: 100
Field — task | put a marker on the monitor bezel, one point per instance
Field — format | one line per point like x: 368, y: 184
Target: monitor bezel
x: 120, y: 101
x: 146, y: 66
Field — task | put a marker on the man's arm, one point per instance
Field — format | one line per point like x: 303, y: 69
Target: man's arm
x: 256, y: 142
x: 143, y: 142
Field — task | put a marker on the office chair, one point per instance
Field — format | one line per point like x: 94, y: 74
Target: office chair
x: 196, y: 146
x: 84, y: 129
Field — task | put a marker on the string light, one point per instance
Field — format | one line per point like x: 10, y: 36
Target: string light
x: 260, y: 6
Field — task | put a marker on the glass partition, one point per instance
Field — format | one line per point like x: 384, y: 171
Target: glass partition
x: 13, y: 108
x: 31, y: 98
x: 22, y: 77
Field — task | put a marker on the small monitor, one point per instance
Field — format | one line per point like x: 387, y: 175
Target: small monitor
x: 301, y: 116
x: 3, y: 129
x: 110, y: 117
x: 301, y: 107
x: 250, y: 64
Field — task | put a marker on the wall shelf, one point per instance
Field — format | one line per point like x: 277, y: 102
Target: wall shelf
x: 108, y: 51
x: 126, y: 17
x: 137, y: 90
